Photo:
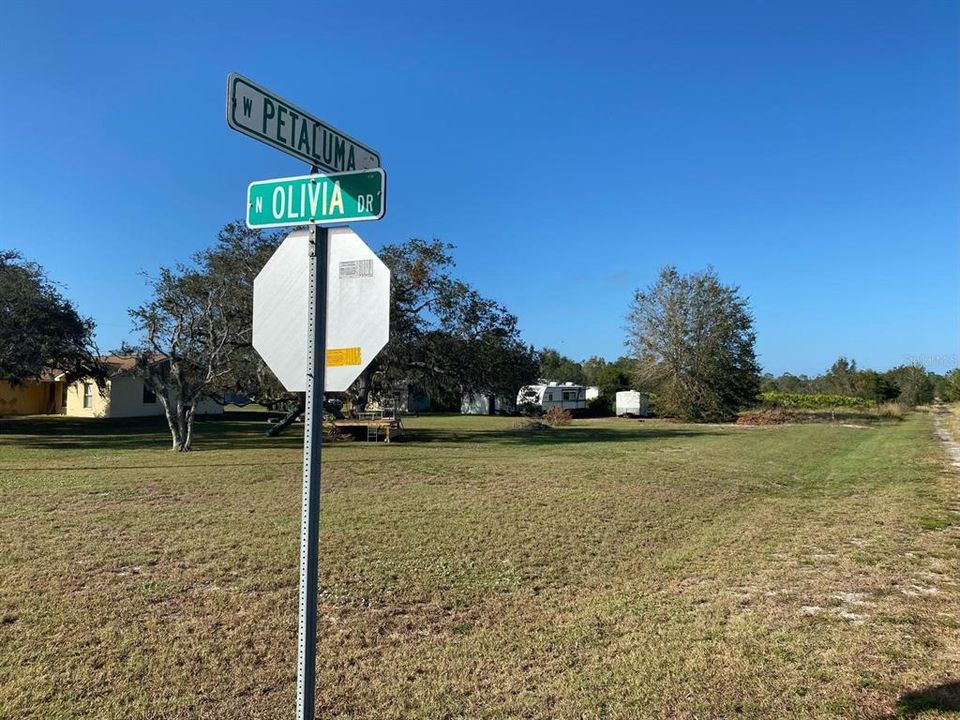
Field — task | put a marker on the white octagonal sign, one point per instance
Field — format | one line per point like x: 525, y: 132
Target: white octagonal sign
x: 358, y: 309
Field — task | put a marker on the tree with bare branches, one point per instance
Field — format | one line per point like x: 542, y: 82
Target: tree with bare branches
x: 185, y: 340
x: 196, y: 331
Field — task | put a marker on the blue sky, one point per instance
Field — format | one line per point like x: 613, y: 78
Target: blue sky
x: 809, y: 151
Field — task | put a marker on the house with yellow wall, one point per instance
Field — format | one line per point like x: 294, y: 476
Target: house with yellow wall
x: 46, y: 396
x: 125, y: 394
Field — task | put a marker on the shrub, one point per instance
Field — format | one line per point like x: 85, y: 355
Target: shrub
x: 556, y: 417
x: 890, y: 409
x: 810, y: 401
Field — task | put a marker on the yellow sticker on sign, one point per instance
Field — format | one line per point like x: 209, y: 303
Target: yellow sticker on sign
x: 338, y: 357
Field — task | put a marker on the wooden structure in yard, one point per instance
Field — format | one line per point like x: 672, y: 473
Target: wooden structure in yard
x: 377, y: 426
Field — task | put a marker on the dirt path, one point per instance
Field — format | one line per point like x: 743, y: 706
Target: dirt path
x: 949, y: 443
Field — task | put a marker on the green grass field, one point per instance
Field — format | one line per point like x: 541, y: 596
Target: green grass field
x: 611, y: 569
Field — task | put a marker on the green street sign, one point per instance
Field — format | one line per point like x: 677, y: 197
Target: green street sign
x: 325, y: 199
x: 255, y: 111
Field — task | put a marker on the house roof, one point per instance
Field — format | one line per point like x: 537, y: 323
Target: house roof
x: 116, y: 364
x: 120, y: 364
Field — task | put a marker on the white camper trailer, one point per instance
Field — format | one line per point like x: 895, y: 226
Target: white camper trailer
x: 630, y: 402
x: 540, y: 398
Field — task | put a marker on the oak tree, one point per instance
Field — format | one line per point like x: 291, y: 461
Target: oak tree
x: 693, y: 336
x: 196, y: 330
x: 444, y: 335
x: 40, y: 329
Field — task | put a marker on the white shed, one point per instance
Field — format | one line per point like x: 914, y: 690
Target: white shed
x: 485, y: 404
x: 633, y: 403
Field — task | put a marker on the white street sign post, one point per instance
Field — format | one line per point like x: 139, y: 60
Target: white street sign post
x: 296, y: 317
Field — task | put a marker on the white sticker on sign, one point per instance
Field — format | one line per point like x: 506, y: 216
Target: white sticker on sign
x: 356, y: 269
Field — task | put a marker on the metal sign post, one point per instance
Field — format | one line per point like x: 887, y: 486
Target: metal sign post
x: 360, y: 287
x: 312, y: 441
x: 322, y: 287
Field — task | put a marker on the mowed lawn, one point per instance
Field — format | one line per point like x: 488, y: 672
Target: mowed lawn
x: 611, y: 569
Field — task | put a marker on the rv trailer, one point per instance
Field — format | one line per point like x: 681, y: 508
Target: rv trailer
x: 541, y: 398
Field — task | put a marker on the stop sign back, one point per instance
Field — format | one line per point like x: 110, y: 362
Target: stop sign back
x: 358, y: 309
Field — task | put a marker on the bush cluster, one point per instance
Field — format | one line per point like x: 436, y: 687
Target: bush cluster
x: 599, y: 406
x: 810, y: 401
x: 556, y: 417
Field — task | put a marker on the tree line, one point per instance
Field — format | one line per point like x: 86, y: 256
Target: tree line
x: 690, y: 338
x: 909, y: 384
